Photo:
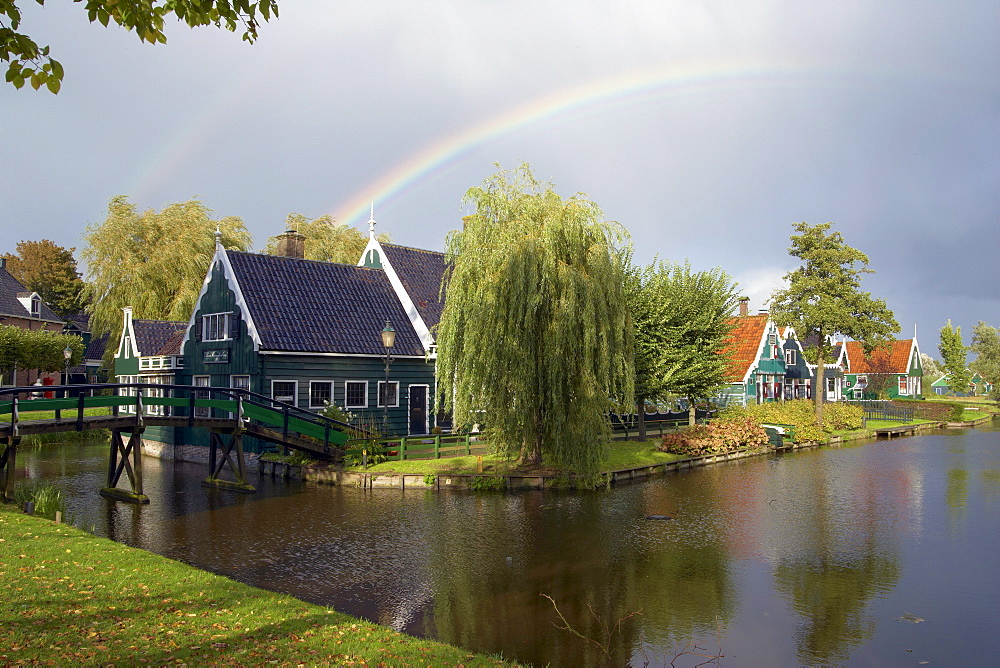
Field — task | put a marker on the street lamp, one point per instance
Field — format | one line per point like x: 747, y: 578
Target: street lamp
x: 388, y: 341
x: 67, y: 353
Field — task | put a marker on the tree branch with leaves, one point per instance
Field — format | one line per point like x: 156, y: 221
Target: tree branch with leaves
x: 32, y: 64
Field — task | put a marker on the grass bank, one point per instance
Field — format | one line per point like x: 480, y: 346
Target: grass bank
x: 621, y: 455
x: 72, y: 598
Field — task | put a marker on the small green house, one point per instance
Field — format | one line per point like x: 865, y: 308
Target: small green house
x: 977, y: 388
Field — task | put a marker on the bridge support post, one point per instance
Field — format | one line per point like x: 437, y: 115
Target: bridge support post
x: 119, y: 461
x: 221, y: 454
x: 8, y: 466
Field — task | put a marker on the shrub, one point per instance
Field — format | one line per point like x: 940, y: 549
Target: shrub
x: 800, y: 413
x: 842, y: 416
x: 725, y: 435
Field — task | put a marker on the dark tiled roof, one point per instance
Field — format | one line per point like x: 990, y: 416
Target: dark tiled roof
x: 306, y: 306
x: 80, y: 320
x: 173, y: 344
x: 151, y: 335
x: 10, y: 288
x: 420, y: 272
x: 95, y: 349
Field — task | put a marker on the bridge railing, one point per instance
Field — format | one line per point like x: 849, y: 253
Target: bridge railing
x: 163, y: 400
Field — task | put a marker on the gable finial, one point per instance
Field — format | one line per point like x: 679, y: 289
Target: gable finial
x: 218, y: 236
x: 371, y: 222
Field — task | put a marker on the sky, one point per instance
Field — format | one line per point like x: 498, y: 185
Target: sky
x: 705, y: 129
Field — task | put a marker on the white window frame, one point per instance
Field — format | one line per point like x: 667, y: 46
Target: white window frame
x: 36, y: 306
x: 789, y: 358
x: 202, y: 412
x: 903, y: 385
x: 347, y: 403
x: 206, y: 327
x: 233, y: 385
x: 378, y: 399
x: 295, y: 390
x: 329, y: 383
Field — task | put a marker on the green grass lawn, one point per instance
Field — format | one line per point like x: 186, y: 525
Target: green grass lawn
x: 621, y: 455
x: 67, y: 413
x: 71, y: 598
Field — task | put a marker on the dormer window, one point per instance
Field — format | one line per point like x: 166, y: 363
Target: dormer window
x: 36, y: 306
x: 215, y: 327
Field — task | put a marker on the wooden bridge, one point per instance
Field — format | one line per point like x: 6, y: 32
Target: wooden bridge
x: 129, y: 408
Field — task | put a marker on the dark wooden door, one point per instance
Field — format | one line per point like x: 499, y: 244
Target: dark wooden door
x: 418, y: 409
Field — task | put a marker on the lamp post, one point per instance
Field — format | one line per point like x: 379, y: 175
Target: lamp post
x: 388, y: 341
x: 67, y: 354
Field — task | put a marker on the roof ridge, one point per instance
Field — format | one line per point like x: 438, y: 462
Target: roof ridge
x: 301, y: 259
x: 413, y: 248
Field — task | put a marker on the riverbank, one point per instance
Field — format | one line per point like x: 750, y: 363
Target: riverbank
x: 483, y: 473
x: 73, y: 598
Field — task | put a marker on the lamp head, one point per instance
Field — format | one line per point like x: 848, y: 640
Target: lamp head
x: 388, y: 336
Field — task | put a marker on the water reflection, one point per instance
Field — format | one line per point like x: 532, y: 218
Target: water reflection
x: 806, y: 558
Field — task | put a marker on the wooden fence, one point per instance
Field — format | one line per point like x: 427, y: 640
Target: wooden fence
x: 437, y: 446
x: 884, y: 410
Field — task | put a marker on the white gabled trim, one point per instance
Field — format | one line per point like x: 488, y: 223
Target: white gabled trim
x: 128, y: 334
x: 418, y: 324
x: 915, y: 349
x: 227, y: 271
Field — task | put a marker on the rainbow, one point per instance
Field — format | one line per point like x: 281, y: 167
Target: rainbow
x: 590, y: 97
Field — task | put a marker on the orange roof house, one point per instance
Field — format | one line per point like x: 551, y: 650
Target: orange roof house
x: 887, y: 372
x: 744, y: 345
x: 765, y: 364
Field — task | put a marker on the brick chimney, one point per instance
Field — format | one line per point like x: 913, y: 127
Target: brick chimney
x: 292, y: 244
x: 744, y: 305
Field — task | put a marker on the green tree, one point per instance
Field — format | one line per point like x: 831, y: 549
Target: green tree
x: 326, y: 240
x: 680, y: 318
x: 931, y: 372
x: 36, y: 349
x: 535, y: 338
x: 824, y: 296
x: 153, y: 261
x: 50, y: 270
x: 32, y: 64
x: 954, y: 353
x: 986, y: 346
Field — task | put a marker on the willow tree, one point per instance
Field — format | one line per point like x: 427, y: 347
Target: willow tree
x: 153, y: 261
x: 535, y: 340
x: 326, y: 240
x: 824, y: 297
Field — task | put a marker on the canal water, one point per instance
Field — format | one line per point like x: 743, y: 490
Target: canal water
x: 877, y: 554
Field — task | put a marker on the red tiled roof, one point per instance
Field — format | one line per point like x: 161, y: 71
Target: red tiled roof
x: 743, y: 344
x: 895, y: 359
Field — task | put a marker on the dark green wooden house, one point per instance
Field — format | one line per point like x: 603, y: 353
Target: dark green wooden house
x: 308, y: 333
